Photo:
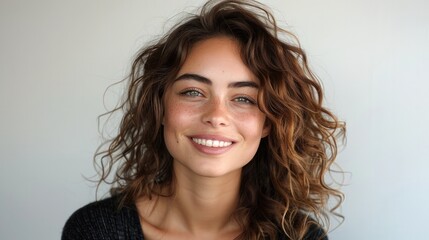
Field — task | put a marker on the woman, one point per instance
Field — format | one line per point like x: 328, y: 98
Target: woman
x: 224, y: 136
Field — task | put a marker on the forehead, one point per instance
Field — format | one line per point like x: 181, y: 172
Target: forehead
x: 217, y: 58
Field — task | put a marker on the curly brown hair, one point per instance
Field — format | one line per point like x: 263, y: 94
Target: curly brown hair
x: 283, y: 187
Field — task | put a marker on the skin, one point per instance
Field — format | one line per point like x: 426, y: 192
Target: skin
x: 214, y: 97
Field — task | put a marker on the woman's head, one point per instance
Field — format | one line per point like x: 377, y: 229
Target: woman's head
x: 284, y: 182
x: 212, y: 123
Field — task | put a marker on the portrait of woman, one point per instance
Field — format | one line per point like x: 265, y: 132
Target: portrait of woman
x: 224, y: 135
x: 213, y: 119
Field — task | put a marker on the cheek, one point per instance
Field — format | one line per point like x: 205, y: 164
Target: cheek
x: 178, y: 118
x: 171, y: 115
x: 177, y: 114
x: 251, y: 124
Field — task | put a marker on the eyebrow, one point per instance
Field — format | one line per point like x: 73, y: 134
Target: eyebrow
x: 199, y: 78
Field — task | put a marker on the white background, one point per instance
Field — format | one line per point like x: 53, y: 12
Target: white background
x: 58, y: 57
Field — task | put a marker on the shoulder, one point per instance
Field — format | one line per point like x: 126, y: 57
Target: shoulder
x: 103, y: 220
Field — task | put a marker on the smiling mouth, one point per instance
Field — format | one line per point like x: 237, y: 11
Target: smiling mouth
x: 211, y: 143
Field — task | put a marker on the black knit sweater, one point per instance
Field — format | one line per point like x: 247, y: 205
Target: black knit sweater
x: 103, y: 220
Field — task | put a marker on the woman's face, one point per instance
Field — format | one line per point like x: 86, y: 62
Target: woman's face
x: 212, y: 123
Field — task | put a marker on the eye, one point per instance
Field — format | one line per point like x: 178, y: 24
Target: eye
x: 245, y: 100
x: 191, y: 93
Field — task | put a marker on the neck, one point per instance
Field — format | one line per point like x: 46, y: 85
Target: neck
x: 201, y: 207
x: 204, y: 204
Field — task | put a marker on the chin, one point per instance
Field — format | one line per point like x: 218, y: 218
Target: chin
x: 217, y: 172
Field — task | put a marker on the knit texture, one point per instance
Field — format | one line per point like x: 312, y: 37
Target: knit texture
x: 103, y: 220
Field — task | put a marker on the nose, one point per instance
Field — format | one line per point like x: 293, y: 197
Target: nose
x: 215, y: 113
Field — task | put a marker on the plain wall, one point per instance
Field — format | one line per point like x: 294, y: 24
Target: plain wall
x: 58, y: 57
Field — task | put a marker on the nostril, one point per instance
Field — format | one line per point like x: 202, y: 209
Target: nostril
x: 216, y: 120
x: 216, y: 113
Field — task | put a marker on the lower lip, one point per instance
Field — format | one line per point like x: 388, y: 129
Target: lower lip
x: 211, y: 150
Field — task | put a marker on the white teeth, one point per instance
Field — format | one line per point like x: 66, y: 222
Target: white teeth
x: 211, y: 143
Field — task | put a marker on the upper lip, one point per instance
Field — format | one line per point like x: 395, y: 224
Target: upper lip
x: 213, y: 137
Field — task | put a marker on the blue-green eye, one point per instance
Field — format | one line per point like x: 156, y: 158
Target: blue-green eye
x: 191, y: 93
x: 244, y: 100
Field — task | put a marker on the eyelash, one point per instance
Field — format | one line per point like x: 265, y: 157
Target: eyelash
x: 197, y: 93
x: 246, y: 100
x: 190, y: 92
